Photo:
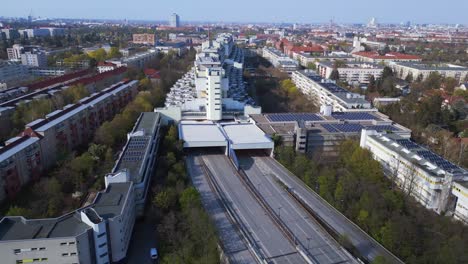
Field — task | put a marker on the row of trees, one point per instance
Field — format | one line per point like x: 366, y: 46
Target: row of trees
x: 75, y: 174
x: 30, y: 111
x: 184, y: 229
x: 274, y: 91
x: 356, y: 186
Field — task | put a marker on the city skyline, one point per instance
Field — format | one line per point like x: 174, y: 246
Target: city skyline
x: 248, y: 12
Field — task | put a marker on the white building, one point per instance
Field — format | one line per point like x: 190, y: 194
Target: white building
x: 105, y: 67
x: 419, y: 70
x: 12, y: 72
x: 351, y: 72
x: 99, y: 233
x: 326, y: 92
x: 175, y: 20
x: 14, y: 53
x: 305, y: 59
x: 460, y: 191
x: 416, y: 170
x: 214, y: 88
x: 34, y: 58
x: 280, y: 60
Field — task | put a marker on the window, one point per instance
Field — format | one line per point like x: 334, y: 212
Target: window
x: 73, y: 254
x: 42, y: 249
x: 101, y: 235
x: 102, y: 245
x: 103, y: 255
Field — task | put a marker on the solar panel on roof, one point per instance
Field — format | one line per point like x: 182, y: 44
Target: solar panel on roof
x: 438, y: 160
x: 407, y: 143
x: 330, y: 128
x: 348, y: 127
x: 380, y: 128
x: 353, y: 116
x: 290, y: 117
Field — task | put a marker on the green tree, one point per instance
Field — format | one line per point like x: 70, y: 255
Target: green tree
x: 189, y: 198
x: 335, y: 75
x: 19, y: 211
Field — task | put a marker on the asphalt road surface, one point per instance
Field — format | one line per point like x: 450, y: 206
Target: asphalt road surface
x: 319, y: 245
x: 233, y: 245
x: 368, y: 247
x: 273, y: 244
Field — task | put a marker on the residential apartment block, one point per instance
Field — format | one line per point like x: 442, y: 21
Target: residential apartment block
x: 279, y: 60
x: 146, y: 39
x: 375, y: 57
x: 416, y: 170
x: 43, y: 141
x: 326, y: 93
x: 99, y: 233
x: 214, y: 88
x: 460, y: 191
x: 351, y: 72
x: 305, y: 59
x: 422, y: 71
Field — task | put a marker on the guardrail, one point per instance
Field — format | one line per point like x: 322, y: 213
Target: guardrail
x: 232, y: 216
x: 324, y: 223
x: 276, y: 220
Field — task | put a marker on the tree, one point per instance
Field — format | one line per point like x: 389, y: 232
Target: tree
x: 114, y: 53
x: 165, y: 199
x: 311, y: 66
x: 98, y: 55
x: 450, y: 84
x: 19, y: 211
x: 189, y: 198
x: 335, y: 75
x: 387, y: 72
x: 372, y: 85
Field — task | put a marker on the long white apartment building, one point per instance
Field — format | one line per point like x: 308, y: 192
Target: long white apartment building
x: 416, y: 170
x: 138, y: 60
x: 214, y: 88
x: 305, y: 59
x: 326, y: 92
x: 351, y: 72
x: 280, y: 60
x: 420, y: 70
x: 460, y: 191
x: 99, y: 233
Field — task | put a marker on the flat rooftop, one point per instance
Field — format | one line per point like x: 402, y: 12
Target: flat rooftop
x: 422, y: 157
x: 201, y: 134
x: 137, y: 148
x: 109, y: 203
x: 245, y: 133
x: 18, y: 228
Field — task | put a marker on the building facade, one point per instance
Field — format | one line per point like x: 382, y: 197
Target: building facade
x: 351, y: 72
x: 44, y: 140
x: 326, y: 92
x: 175, y: 21
x: 99, y: 233
x: 416, y: 170
x: 421, y: 71
x: 146, y: 39
x: 280, y: 60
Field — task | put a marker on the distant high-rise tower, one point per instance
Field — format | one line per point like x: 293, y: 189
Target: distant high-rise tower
x: 372, y: 23
x: 175, y: 21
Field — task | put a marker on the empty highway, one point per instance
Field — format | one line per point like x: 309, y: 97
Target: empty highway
x: 367, y: 247
x: 273, y: 245
x: 319, y: 245
x: 234, y: 246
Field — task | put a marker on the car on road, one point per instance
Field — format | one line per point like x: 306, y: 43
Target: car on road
x: 154, y: 254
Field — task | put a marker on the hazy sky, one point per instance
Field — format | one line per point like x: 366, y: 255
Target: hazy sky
x: 301, y: 11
